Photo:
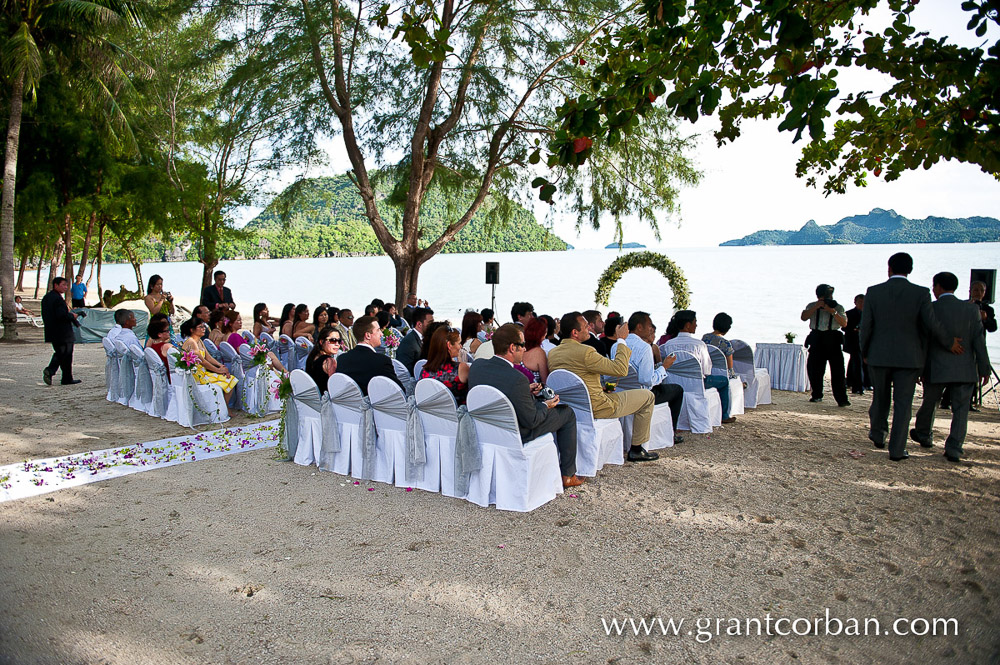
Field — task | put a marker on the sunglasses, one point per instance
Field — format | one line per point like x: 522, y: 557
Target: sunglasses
x: 520, y: 344
x: 333, y: 340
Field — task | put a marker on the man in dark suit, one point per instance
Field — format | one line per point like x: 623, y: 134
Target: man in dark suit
x: 534, y: 417
x: 857, y: 371
x: 595, y: 326
x: 409, y: 349
x: 59, y: 322
x: 218, y: 295
x: 960, y: 373
x: 895, y: 326
x: 362, y: 362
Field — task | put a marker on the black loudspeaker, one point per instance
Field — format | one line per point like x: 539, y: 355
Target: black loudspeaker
x: 493, y: 272
x: 987, y: 275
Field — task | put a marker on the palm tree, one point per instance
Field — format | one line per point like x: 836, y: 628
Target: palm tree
x: 76, y: 37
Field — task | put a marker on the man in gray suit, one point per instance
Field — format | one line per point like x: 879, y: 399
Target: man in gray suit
x: 960, y: 373
x: 408, y: 352
x: 895, y: 325
x: 534, y: 417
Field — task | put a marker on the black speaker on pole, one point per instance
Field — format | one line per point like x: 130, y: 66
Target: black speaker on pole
x: 492, y: 272
x: 989, y: 277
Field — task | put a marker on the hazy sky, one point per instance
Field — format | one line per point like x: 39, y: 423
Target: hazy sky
x: 750, y: 184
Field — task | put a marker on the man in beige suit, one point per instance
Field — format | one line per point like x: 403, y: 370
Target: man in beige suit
x: 573, y: 355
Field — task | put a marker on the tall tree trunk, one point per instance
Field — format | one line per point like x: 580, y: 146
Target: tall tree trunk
x: 100, y: 260
x: 20, y: 272
x: 57, y: 255
x: 209, y: 253
x: 407, y: 271
x: 9, y: 314
x: 68, y: 241
x: 133, y: 258
x: 85, y: 256
x: 38, y: 269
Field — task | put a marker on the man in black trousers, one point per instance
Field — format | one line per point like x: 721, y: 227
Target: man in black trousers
x: 59, y: 322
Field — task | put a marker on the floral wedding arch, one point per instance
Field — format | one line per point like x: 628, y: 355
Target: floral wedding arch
x: 666, y: 267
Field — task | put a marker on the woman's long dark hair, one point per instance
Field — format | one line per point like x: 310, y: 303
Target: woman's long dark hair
x: 318, y: 349
x: 428, y: 334
x: 257, y: 309
x: 286, y: 313
x: 152, y: 280
x: 437, y: 352
x: 470, y: 325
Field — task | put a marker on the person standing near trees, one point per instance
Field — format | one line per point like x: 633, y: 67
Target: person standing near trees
x: 218, y: 294
x: 79, y: 292
x: 59, y: 322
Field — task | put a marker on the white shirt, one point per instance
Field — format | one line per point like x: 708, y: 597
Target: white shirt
x: 642, y: 360
x: 123, y: 335
x: 688, y: 342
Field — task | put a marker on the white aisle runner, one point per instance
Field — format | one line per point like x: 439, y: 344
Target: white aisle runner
x: 18, y: 481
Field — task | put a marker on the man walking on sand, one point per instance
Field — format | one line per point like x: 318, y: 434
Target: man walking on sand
x: 59, y: 322
x: 896, y: 323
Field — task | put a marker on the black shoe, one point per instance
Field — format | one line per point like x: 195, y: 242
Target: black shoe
x: 678, y: 439
x: 642, y: 456
x: 71, y: 382
x: 923, y: 444
x: 904, y: 456
x: 846, y: 402
x: 816, y: 399
x: 952, y: 458
x: 47, y: 376
x: 729, y: 420
x: 878, y: 444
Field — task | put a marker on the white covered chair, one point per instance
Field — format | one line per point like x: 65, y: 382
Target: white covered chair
x: 758, y: 379
x: 271, y: 345
x: 111, y: 370
x: 439, y: 417
x: 721, y: 368
x: 212, y: 349
x: 304, y: 415
x: 259, y: 383
x: 342, y: 411
x: 248, y: 336
x: 287, y: 352
x: 661, y: 427
x: 404, y: 377
x: 392, y: 416
x: 161, y: 399
x: 702, y: 408
x: 514, y: 476
x: 126, y: 373
x: 231, y: 359
x: 193, y: 403
x: 418, y: 367
x: 303, y: 346
x: 142, y: 398
x: 599, y: 441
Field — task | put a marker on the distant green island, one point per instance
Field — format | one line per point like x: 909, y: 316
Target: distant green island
x: 880, y: 227
x: 627, y: 245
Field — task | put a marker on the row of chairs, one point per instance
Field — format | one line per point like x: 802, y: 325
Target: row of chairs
x: 329, y: 430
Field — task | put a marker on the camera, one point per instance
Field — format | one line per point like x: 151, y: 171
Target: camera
x: 545, y: 394
x: 830, y: 302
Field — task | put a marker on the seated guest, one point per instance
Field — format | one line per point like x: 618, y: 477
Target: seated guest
x: 610, y: 338
x: 425, y: 344
x: 322, y: 360
x: 472, y: 325
x: 385, y: 323
x: 489, y: 324
x: 551, y: 341
x: 410, y: 347
x: 573, y: 355
x: 300, y: 323
x: 232, y: 325
x: 686, y: 323
x: 321, y: 318
x: 521, y: 313
x: 595, y: 326
x: 444, y: 348
x: 650, y: 374
x: 721, y: 324
x: 159, y: 339
x: 534, y: 416
x: 534, y: 356
x: 362, y: 363
x: 262, y: 321
x: 122, y: 330
x: 395, y: 320
x: 672, y: 329
x: 208, y: 370
x: 371, y: 310
x: 216, y: 320
x: 286, y: 321
x: 346, y: 324
x: 21, y: 309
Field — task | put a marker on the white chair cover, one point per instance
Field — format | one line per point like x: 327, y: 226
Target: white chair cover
x: 418, y: 367
x: 287, y: 353
x: 702, y: 407
x: 160, y: 402
x: 212, y: 349
x: 514, y: 476
x: 439, y: 417
x: 758, y: 390
x: 599, y: 441
x: 259, y: 384
x: 342, y: 423
x: 126, y: 373
x: 142, y: 398
x: 397, y: 424
x: 308, y: 438
x: 785, y: 364
x: 248, y: 336
x: 303, y: 347
x: 661, y: 427
x: 271, y: 345
x: 404, y: 376
x: 111, y: 370
x: 231, y: 359
x: 193, y: 403
x: 721, y: 368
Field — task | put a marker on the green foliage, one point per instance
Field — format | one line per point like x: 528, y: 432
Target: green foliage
x: 880, y: 227
x: 741, y: 59
x: 666, y: 267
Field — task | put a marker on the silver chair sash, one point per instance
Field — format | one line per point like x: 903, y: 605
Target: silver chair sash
x: 688, y: 367
x: 126, y: 376
x: 575, y: 396
x: 311, y: 398
x: 111, y: 373
x: 159, y: 388
x: 439, y: 404
x: 406, y: 410
x: 255, y: 380
x: 468, y: 454
x: 331, y: 435
x: 143, y: 381
x: 213, y: 350
x: 368, y: 453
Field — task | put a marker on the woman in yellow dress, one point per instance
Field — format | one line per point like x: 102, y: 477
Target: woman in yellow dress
x: 209, y: 371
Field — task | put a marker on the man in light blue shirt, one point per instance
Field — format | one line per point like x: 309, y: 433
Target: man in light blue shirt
x: 651, y: 374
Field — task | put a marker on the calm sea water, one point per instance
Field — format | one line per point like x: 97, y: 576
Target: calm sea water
x: 764, y: 289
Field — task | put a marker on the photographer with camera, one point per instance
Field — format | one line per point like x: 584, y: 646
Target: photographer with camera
x: 825, y: 343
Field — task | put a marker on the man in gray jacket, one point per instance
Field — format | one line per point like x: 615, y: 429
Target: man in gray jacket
x: 960, y: 373
x: 896, y: 323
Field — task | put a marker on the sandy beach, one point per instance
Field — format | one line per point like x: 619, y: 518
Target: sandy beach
x: 246, y: 559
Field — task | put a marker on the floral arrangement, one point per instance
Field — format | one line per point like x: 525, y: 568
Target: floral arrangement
x: 390, y: 338
x: 187, y: 361
x: 259, y: 354
x: 488, y: 335
x: 666, y: 267
x: 790, y: 337
x: 283, y: 391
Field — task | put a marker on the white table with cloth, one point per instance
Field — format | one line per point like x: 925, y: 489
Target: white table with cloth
x: 786, y: 363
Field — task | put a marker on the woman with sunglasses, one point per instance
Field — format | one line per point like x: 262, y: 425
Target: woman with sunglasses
x: 322, y: 361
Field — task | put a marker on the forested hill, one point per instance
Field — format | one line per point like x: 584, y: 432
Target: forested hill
x: 881, y: 227
x: 325, y: 217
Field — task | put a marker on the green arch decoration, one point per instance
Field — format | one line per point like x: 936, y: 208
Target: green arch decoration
x: 666, y: 267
